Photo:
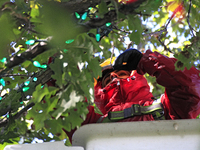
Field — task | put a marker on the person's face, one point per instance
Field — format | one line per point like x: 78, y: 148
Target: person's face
x: 120, y: 74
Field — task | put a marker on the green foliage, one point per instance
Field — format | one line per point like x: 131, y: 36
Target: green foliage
x: 50, y: 15
x: 40, y: 109
x: 7, y: 33
x: 134, y: 24
x: 102, y: 8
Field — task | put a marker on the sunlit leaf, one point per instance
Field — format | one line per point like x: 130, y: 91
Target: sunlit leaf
x: 35, y: 12
x: 39, y: 93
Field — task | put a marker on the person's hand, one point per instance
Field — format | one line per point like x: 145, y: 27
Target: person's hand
x: 128, y: 60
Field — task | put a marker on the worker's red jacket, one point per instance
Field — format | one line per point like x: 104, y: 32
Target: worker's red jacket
x: 181, y: 99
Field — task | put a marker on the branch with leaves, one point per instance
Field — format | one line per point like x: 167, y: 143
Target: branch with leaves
x: 79, y: 30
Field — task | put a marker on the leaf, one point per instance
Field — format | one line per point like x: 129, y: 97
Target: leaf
x: 67, y: 102
x: 131, y: 23
x: 57, y: 67
x: 39, y: 121
x: 39, y: 93
x: 103, y: 8
x: 52, y: 102
x: 6, y: 33
x: 74, y: 122
x: 135, y: 25
x: 55, y: 126
x: 35, y: 12
x: 94, y: 66
x: 54, y: 25
x: 16, y: 31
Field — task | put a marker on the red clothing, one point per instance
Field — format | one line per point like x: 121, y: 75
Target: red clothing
x: 182, y: 88
x: 181, y: 99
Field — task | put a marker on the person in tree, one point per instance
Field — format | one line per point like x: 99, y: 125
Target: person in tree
x: 122, y: 93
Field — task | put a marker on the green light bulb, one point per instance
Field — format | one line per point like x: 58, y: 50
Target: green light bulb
x: 3, y: 60
x: 43, y: 66
x: 8, y: 116
x: 98, y: 36
x: 2, y: 82
x: 21, y: 102
x: 69, y: 41
x: 77, y: 15
x: 0, y: 98
x: 25, y: 89
x: 27, y: 83
x: 30, y: 42
x: 108, y: 24
x: 84, y: 16
x: 36, y: 64
x: 35, y: 79
x: 65, y: 50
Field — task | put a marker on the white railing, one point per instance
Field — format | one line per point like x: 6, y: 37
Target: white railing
x: 148, y: 135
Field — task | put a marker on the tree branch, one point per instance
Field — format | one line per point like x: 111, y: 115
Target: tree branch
x: 188, y: 19
x: 80, y: 5
x: 17, y: 115
x: 155, y: 33
x: 29, y: 54
x: 111, y: 16
x: 73, y: 6
x: 14, y: 75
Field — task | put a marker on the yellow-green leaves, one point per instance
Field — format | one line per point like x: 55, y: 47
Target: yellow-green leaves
x: 35, y: 12
x: 39, y: 93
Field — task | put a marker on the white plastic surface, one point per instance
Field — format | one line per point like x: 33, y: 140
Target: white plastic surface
x: 42, y: 146
x: 145, y: 135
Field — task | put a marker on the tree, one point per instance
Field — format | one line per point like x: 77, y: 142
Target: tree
x: 58, y: 40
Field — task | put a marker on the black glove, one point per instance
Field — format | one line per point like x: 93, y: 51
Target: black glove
x: 128, y: 60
